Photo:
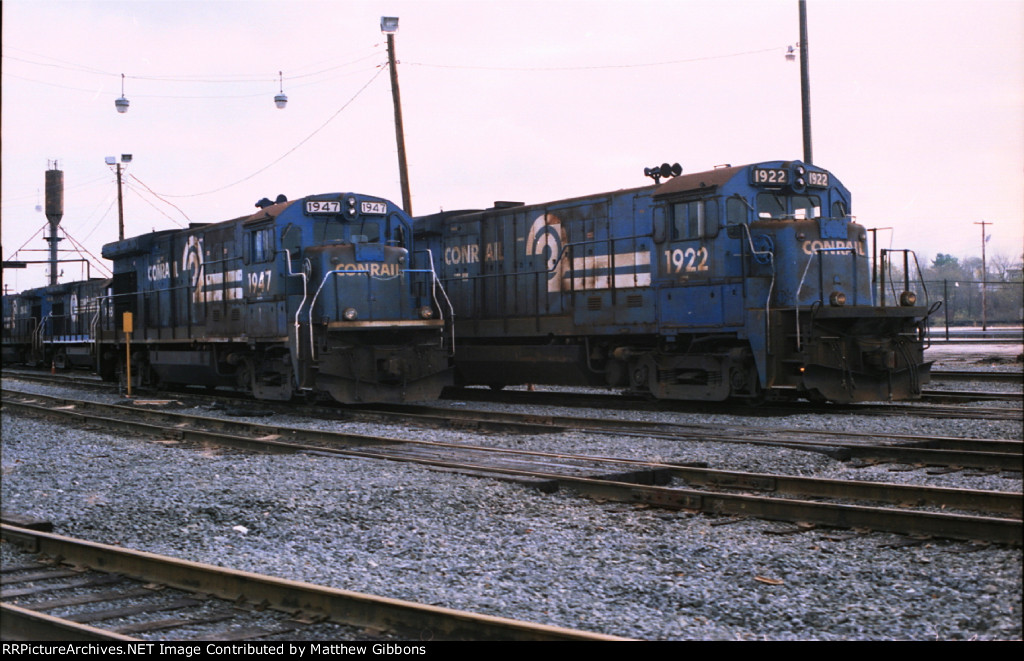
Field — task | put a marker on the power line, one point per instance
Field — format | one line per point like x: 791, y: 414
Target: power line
x: 290, y: 151
x: 661, y: 63
x: 157, y: 196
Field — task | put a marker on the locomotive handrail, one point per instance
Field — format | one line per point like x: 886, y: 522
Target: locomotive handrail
x: 312, y: 304
x: 807, y: 267
x: 298, y: 322
x: 435, y: 283
x: 32, y: 323
x: 887, y: 264
x: 771, y: 285
x: 94, y: 329
x: 37, y: 334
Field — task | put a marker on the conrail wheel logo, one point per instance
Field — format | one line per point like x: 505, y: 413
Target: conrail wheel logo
x: 546, y: 240
x: 192, y: 260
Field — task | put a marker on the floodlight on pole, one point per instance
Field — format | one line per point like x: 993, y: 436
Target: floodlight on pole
x: 389, y: 25
x: 112, y: 160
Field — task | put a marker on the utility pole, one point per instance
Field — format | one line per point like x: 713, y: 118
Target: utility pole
x: 389, y: 25
x: 805, y: 84
x: 120, y: 207
x: 112, y: 161
x: 984, y: 275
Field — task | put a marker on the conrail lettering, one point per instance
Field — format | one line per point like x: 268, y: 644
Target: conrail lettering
x: 374, y: 269
x: 470, y: 254
x: 159, y: 271
x: 810, y: 247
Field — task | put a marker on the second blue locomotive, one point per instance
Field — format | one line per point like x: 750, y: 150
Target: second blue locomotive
x: 748, y: 282
x: 321, y: 294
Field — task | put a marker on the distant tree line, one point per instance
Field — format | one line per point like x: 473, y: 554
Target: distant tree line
x: 964, y: 287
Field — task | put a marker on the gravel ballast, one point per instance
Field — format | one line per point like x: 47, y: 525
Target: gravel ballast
x: 476, y: 544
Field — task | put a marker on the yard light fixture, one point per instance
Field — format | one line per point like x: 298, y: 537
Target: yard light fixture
x: 280, y: 99
x: 122, y: 103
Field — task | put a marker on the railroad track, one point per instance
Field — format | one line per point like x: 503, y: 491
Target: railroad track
x: 903, y: 448
x: 633, y: 402
x: 1015, y: 377
x: 71, y: 589
x: 995, y: 516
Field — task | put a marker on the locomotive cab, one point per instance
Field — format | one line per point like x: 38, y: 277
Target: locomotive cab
x: 824, y: 336
x: 375, y: 324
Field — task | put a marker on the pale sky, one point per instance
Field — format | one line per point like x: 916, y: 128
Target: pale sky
x: 917, y: 106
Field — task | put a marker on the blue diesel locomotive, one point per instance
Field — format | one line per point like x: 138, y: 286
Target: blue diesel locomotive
x: 53, y: 326
x: 324, y: 294
x: 747, y: 282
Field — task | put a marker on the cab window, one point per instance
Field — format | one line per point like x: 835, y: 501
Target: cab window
x: 366, y: 232
x: 695, y: 219
x: 263, y: 245
x: 776, y: 206
x: 329, y: 230
x: 736, y: 211
x: 806, y: 207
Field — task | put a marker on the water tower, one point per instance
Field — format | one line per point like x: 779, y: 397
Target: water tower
x: 54, y: 213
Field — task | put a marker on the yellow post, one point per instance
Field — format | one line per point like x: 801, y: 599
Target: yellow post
x: 126, y: 325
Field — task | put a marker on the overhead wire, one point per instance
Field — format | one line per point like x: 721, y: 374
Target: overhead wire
x: 261, y: 79
x: 163, y: 213
x: 290, y: 151
x: 659, y: 63
x: 82, y: 249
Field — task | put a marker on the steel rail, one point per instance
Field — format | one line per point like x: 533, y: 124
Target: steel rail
x: 944, y: 451
x: 260, y: 437
x: 978, y: 375
x: 1001, y: 530
x: 404, y: 618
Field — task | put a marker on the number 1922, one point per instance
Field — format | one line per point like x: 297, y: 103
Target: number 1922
x: 690, y: 260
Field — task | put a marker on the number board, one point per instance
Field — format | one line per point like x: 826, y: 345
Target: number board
x: 770, y: 176
x: 376, y: 208
x: 817, y: 179
x: 323, y: 206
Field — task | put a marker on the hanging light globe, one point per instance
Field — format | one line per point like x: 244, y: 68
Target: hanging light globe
x: 281, y: 99
x: 122, y: 103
